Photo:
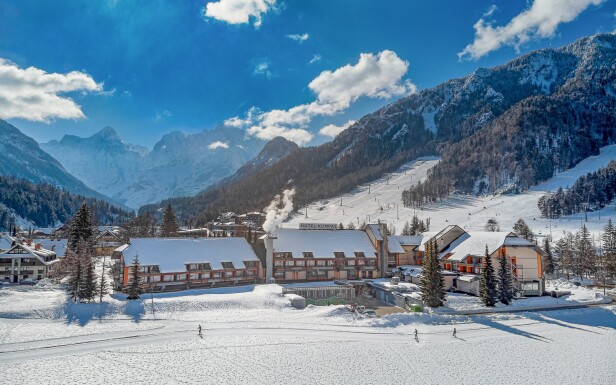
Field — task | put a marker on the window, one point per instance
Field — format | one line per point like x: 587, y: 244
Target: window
x: 250, y: 264
x: 228, y: 274
x: 193, y: 266
x: 317, y: 274
x: 331, y: 262
x: 289, y: 263
x: 205, y: 266
x: 279, y: 274
x: 227, y: 265
x: 530, y: 286
x: 194, y: 276
x: 278, y: 263
x: 361, y: 262
x: 216, y: 275
x: 156, y: 278
x: 351, y: 262
x: 250, y: 273
x: 239, y: 273
x: 299, y: 263
x: 181, y: 277
x: 359, y: 254
x: 321, y: 263
x: 338, y: 254
x: 205, y: 275
x: 308, y: 254
x: 309, y: 263
x: 168, y: 278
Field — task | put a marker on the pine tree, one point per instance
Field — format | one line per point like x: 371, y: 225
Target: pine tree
x: 135, y: 287
x: 406, y: 230
x: 586, y: 255
x: 549, y: 266
x: 564, y: 251
x: 487, y: 285
x: 431, y: 284
x: 609, y: 249
x: 75, y: 270
x: 102, y: 285
x: 522, y: 230
x: 505, y: 281
x: 87, y: 287
x: 340, y: 226
x: 80, y: 228
x: 351, y: 226
x: 170, y: 226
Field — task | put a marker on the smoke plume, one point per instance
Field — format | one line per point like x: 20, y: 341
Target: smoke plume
x: 275, y: 214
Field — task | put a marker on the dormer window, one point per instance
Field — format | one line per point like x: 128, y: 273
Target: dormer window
x: 227, y: 265
x: 338, y: 254
x: 359, y: 254
x: 308, y: 254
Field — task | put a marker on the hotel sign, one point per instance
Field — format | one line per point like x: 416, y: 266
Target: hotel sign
x: 318, y: 226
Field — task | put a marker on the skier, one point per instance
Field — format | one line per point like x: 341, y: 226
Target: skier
x: 454, y: 333
x: 417, y: 338
x: 200, y: 331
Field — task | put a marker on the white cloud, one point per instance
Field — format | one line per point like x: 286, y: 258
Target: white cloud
x: 217, y: 144
x: 373, y: 76
x: 162, y: 115
x: 315, y: 58
x: 332, y: 130
x: 239, y: 11
x: 264, y: 69
x: 297, y: 135
x: 300, y: 38
x: 538, y: 21
x: 34, y: 94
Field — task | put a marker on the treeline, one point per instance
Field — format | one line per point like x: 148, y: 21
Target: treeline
x: 577, y: 254
x: 590, y: 192
x: 46, y: 205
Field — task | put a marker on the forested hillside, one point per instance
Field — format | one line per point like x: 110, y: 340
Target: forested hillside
x: 507, y: 127
x: 47, y: 206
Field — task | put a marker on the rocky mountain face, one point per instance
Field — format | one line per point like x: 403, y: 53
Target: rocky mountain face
x: 511, y: 125
x: 21, y: 157
x: 273, y: 151
x: 178, y: 165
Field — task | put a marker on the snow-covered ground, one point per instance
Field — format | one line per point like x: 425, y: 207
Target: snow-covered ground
x: 251, y: 335
x: 382, y: 200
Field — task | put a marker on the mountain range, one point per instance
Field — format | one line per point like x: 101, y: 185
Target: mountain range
x: 510, y: 126
x: 178, y: 165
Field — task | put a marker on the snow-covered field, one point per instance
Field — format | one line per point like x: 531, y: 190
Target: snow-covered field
x: 251, y: 335
x: 382, y: 200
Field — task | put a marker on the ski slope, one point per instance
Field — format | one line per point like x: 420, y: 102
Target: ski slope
x: 382, y: 201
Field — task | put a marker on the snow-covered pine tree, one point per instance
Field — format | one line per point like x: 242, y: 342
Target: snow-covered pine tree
x: 549, y: 265
x: 609, y: 249
x: 586, y: 261
x: 88, y: 286
x: 487, y: 286
x: 340, y: 226
x: 351, y: 226
x: 431, y: 284
x: 505, y: 281
x: 80, y: 228
x: 74, y: 269
x: 170, y: 226
x: 406, y: 230
x: 135, y: 287
x: 564, y: 251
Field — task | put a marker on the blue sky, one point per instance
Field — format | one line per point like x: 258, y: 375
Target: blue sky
x: 148, y: 67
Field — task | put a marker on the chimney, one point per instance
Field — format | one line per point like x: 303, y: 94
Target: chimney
x: 383, y: 250
x: 269, y: 258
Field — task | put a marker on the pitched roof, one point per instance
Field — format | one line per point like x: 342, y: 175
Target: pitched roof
x: 394, y: 246
x: 40, y: 254
x: 376, y: 231
x: 173, y: 254
x: 323, y: 243
x: 475, y: 242
x: 57, y: 245
x: 408, y: 240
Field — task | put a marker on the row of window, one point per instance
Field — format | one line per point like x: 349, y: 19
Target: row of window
x: 325, y: 262
x: 199, y: 276
x: 310, y: 254
x: 225, y: 265
x: 40, y: 270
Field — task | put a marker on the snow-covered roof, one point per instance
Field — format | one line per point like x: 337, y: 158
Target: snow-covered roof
x: 376, y: 231
x: 468, y: 277
x: 323, y: 243
x: 394, y: 246
x: 57, y: 245
x: 173, y: 254
x: 41, y: 254
x: 6, y: 242
x: 408, y: 240
x: 475, y: 243
x: 425, y: 238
